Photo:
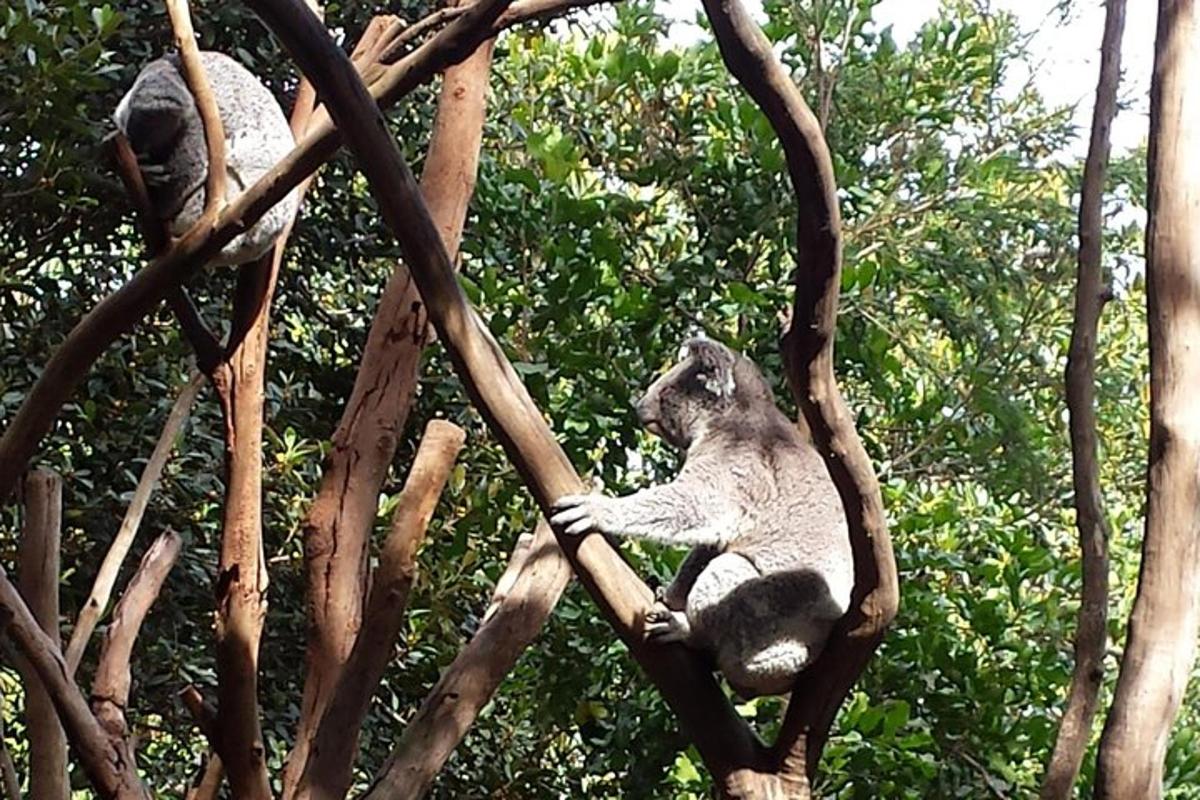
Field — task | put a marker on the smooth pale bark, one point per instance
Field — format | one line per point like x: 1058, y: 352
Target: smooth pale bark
x: 1161, y: 642
x: 1091, y: 292
x: 38, y: 562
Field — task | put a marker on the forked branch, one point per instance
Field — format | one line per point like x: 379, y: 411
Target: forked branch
x: 808, y: 354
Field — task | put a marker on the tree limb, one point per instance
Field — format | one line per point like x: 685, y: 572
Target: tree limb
x: 338, y: 525
x: 1161, y: 642
x: 106, y: 576
x: 327, y: 774
x: 110, y: 687
x: 524, y: 596
x: 206, y: 105
x: 107, y: 761
x: 1091, y: 635
x: 38, y: 562
x: 808, y: 355
x: 722, y: 737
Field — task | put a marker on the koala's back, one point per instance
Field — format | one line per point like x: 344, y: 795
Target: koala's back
x: 257, y: 136
x: 794, y: 522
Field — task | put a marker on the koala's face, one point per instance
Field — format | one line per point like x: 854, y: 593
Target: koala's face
x: 701, y: 386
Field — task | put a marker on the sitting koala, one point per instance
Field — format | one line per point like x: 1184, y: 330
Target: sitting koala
x: 771, y: 570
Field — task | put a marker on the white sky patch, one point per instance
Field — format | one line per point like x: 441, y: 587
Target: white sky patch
x: 1065, y: 60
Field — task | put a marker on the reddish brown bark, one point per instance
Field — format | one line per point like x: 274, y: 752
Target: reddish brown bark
x: 525, y: 595
x: 38, y: 557
x: 1091, y: 635
x: 1161, y: 642
x: 339, y: 523
x: 327, y: 774
x: 110, y: 688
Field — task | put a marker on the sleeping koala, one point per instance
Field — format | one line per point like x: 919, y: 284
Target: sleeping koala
x: 771, y: 569
x: 158, y: 115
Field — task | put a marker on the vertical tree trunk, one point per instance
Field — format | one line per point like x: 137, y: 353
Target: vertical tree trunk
x: 1091, y: 637
x: 38, y: 560
x: 1163, y: 626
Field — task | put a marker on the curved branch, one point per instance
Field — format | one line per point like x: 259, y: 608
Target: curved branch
x: 206, y: 105
x: 1091, y: 636
x: 723, y: 738
x: 808, y: 354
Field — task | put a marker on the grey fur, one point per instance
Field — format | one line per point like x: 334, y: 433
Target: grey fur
x: 772, y: 568
x: 158, y: 115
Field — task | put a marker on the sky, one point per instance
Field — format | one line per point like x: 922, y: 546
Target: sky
x: 1066, y: 59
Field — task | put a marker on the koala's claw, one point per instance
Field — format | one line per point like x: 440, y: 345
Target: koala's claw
x: 575, y: 514
x: 663, y: 625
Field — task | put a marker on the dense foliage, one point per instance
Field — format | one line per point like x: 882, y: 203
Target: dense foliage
x: 628, y: 194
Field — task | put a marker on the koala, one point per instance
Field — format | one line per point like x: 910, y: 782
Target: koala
x: 771, y: 570
x: 159, y: 117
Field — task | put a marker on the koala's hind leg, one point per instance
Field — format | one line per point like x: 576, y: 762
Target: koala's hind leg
x: 760, y: 641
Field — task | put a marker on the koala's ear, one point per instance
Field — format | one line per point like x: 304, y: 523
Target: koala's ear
x: 715, y: 362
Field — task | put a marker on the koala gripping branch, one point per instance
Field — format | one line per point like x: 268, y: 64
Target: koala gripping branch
x: 808, y: 353
x: 723, y: 738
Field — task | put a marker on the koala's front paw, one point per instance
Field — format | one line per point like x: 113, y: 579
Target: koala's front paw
x: 576, y: 514
x: 663, y: 625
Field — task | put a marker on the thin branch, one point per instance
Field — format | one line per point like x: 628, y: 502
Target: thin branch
x: 1091, y: 635
x: 524, y: 596
x: 121, y: 310
x: 110, y: 567
x: 328, y: 773
x: 203, y: 713
x: 808, y: 355
x: 110, y: 688
x: 722, y: 737
x: 210, y: 780
x: 206, y: 105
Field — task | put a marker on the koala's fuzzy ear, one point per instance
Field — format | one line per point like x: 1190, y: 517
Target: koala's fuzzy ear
x: 715, y: 361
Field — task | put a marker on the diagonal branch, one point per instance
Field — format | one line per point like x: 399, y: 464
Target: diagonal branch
x: 808, y: 354
x: 106, y: 576
x: 328, y: 772
x: 1091, y: 636
x: 722, y: 737
x: 524, y: 596
x: 121, y: 310
x: 107, y: 760
x: 110, y: 687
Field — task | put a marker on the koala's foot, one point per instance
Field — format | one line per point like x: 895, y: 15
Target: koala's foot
x: 577, y: 514
x: 662, y: 625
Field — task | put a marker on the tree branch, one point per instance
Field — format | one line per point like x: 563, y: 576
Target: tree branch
x: 110, y: 687
x: 206, y: 105
x: 808, y: 355
x: 328, y: 773
x: 338, y: 524
x: 8, y: 770
x: 38, y: 562
x: 524, y: 596
x: 1091, y: 636
x: 107, y: 761
x: 121, y: 310
x: 721, y: 735
x: 106, y: 576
